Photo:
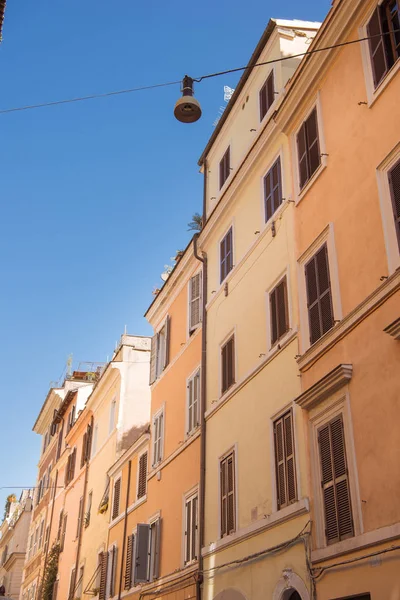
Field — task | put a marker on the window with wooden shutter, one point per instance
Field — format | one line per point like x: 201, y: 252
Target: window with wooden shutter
x: 228, y: 364
x: 112, y: 570
x: 225, y: 167
x: 335, y: 482
x: 308, y: 148
x: 279, y: 314
x: 267, y: 95
x: 40, y: 543
x: 155, y: 549
x: 158, y: 437
x: 272, y: 190
x: 84, y: 449
x: 319, y: 295
x: 191, y: 528
x: 80, y: 515
x: 384, y: 44
x: 142, y: 544
x: 63, y: 532
x: 59, y: 441
x: 285, y: 469
x: 227, y: 490
x: 193, y: 401
x: 394, y: 185
x: 153, y: 359
x: 116, y: 498
x: 71, y: 585
x: 103, y: 575
x: 161, y: 349
x: 195, y: 301
x: 226, y: 255
x: 142, y: 476
x: 129, y: 561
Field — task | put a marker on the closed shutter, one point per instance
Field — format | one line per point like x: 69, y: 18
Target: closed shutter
x: 376, y: 46
x: 228, y: 364
x: 267, y: 95
x: 84, y: 449
x: 142, y: 476
x: 128, y: 564
x: 302, y: 155
x: 335, y: 482
x: 308, y: 152
x: 195, y: 301
x: 153, y: 359
x: 103, y: 575
x: 167, y: 341
x: 116, y: 498
x: 67, y: 470
x: 224, y: 167
x: 228, y: 508
x: 141, y: 553
x: 394, y: 184
x: 272, y: 190
x: 80, y: 511
x: 59, y: 441
x: 53, y: 426
x: 279, y: 311
x: 319, y: 298
x: 285, y: 460
x: 226, y: 255
x: 194, y: 527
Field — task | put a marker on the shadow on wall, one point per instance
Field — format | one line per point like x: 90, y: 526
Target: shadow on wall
x: 131, y: 436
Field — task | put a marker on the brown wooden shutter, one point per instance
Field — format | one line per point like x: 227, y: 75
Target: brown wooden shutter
x: 84, y: 449
x: 313, y: 152
x: 60, y: 524
x: 228, y: 504
x: 156, y: 530
x: 195, y: 301
x: 228, y: 364
x: 285, y: 460
x: 267, y: 95
x: 279, y: 311
x: 113, y: 570
x: 224, y: 167
x: 89, y: 437
x: 153, y: 359
x: 376, y: 46
x: 334, y: 482
x: 59, y: 441
x: 63, y: 533
x: 142, y: 476
x: 80, y: 515
x: 116, y: 497
x: 280, y: 466
x: 319, y: 299
x: 128, y: 564
x: 188, y: 531
x: 224, y: 497
x: 73, y: 461
x: 167, y: 340
x: 394, y: 185
x: 103, y: 575
x: 272, y: 190
x: 302, y: 155
x: 194, y: 527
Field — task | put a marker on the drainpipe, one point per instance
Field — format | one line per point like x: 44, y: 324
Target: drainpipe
x: 203, y: 260
x: 78, y: 551
x: 125, y: 526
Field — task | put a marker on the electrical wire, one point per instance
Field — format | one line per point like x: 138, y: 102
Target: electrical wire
x: 318, y: 571
x: 197, y: 79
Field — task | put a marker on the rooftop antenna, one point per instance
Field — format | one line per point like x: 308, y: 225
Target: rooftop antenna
x: 125, y: 330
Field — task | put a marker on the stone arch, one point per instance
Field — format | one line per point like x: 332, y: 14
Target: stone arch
x: 230, y: 594
x: 288, y: 584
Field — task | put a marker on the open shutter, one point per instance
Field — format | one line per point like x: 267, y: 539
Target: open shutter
x: 313, y: 152
x: 280, y: 465
x: 231, y: 494
x: 153, y: 359
x: 103, y: 575
x: 376, y: 46
x: 195, y: 400
x: 89, y: 434
x: 141, y: 553
x: 60, y: 439
x: 112, y: 571
x: 128, y: 564
x: 116, y: 497
x: 302, y: 155
x: 66, y: 471
x: 194, y: 527
x: 63, y: 532
x: 167, y: 340
x: 80, y: 511
x: 84, y: 449
x: 394, y: 185
x: 195, y: 301
x: 142, y: 476
x: 60, y: 524
x: 289, y: 458
x: 156, y: 531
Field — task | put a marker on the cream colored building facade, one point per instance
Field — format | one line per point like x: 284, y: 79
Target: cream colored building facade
x: 256, y: 488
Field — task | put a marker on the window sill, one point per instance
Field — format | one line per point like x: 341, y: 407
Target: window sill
x: 312, y: 180
x: 137, y: 503
x: 383, y: 83
x: 193, y: 432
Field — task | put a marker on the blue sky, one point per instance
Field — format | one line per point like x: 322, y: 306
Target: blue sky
x: 96, y: 196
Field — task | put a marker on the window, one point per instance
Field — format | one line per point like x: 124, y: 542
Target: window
x: 193, y: 401
x: 308, y: 153
x: 394, y: 185
x: 46, y: 538
x: 63, y: 531
x: 103, y: 565
x: 111, y: 572
x: 70, y: 467
x: 228, y: 364
x: 227, y: 491
x: 267, y: 95
x: 191, y: 526
x: 334, y: 481
x: 158, y: 437
x: 116, y: 498
x: 79, y: 521
x: 272, y: 190
x: 195, y: 302
x: 384, y: 49
x: 226, y: 255
x: 147, y: 552
x: 35, y: 541
x: 142, y: 476
x: 89, y: 509
x: 79, y: 583
x: 130, y: 545
x: 71, y: 585
x: 59, y: 440
x: 225, y: 167
x: 319, y: 295
x: 71, y: 419
x: 41, y: 531
x: 94, y: 441
x: 113, y: 407
x: 30, y: 546
x: 159, y: 357
x: 278, y: 307
x: 285, y: 470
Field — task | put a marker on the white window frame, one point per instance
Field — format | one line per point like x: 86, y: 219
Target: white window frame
x: 233, y: 449
x: 372, y: 92
x: 337, y: 404
x: 192, y: 376
x: 389, y: 228
x: 143, y: 498
x: 112, y: 415
x: 300, y: 193
x: 281, y: 341
x: 270, y: 111
x: 160, y: 458
x: 325, y: 237
x: 232, y: 333
x: 191, y: 330
x: 227, y: 278
x: 188, y: 497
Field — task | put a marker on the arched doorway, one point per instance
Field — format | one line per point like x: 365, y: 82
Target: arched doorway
x: 290, y: 587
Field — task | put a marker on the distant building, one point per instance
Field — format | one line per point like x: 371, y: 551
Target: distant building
x: 13, y: 543
x: 2, y: 10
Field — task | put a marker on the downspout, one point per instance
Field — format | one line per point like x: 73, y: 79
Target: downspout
x: 202, y: 259
x: 125, y: 526
x: 78, y: 551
